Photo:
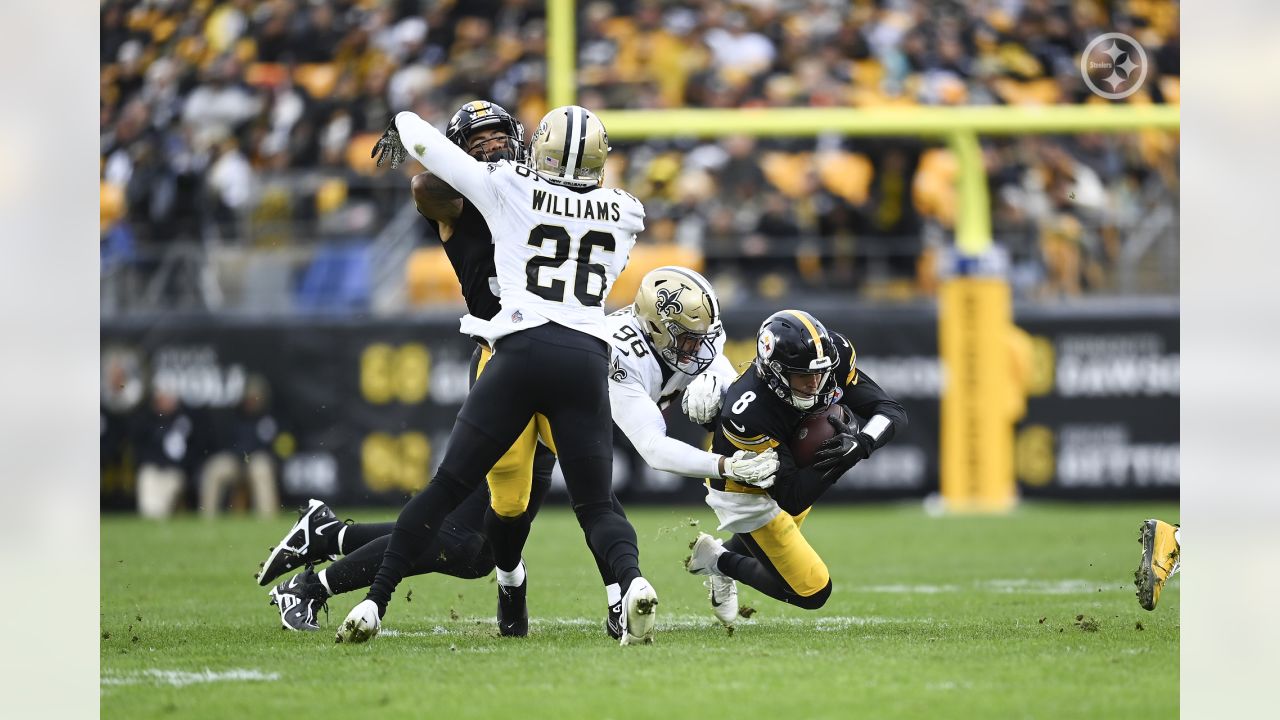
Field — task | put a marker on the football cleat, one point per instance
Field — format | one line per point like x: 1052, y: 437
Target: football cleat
x: 613, y: 621
x: 1161, y: 558
x: 513, y: 613
x: 640, y: 613
x: 706, y: 551
x: 362, y: 623
x: 304, y: 544
x: 299, y: 599
x: 723, y: 592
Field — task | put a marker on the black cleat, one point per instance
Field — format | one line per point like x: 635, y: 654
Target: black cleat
x: 304, y: 544
x: 613, y: 622
x: 300, y: 598
x: 513, y: 613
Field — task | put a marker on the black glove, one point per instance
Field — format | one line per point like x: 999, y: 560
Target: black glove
x: 842, y: 451
x: 389, y: 147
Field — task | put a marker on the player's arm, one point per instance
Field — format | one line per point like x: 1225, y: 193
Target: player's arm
x: 434, y: 198
x: 411, y: 135
x: 642, y: 422
x: 885, y: 416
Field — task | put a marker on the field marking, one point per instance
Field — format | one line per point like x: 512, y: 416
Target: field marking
x: 678, y: 622
x: 1065, y: 586
x: 182, y: 678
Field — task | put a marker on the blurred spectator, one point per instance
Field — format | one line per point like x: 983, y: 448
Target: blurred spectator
x: 237, y: 120
x: 162, y: 443
x: 245, y: 455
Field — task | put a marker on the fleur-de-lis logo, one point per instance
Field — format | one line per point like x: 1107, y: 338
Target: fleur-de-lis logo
x: 669, y: 302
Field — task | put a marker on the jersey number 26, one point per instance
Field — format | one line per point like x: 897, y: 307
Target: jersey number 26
x: 554, y: 291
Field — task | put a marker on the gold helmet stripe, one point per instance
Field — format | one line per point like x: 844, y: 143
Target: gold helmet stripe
x: 817, y: 339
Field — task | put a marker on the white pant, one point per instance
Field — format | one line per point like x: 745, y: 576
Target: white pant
x: 225, y: 469
x: 158, y: 490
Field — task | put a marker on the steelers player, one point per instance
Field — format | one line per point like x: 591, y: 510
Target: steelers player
x: 799, y: 369
x: 560, y: 240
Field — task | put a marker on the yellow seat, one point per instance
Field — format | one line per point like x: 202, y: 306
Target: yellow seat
x: 646, y: 257
x: 430, y: 280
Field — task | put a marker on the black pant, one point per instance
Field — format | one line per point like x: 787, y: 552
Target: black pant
x: 552, y: 370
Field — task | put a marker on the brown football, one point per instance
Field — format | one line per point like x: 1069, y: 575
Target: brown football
x: 816, y: 429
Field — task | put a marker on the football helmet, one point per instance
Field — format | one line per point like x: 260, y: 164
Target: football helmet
x: 483, y: 115
x: 793, y: 342
x: 570, y: 147
x: 679, y: 312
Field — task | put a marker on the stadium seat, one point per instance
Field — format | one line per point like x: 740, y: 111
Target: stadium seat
x: 337, y: 279
x: 645, y: 257
x: 430, y: 280
x: 318, y: 79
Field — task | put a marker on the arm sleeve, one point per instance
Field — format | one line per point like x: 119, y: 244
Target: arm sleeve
x: 720, y: 366
x: 643, y: 424
x: 448, y: 161
x: 885, y: 415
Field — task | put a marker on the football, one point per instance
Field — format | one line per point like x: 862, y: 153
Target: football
x: 815, y: 430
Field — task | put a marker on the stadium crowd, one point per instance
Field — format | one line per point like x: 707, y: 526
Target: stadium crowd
x: 251, y: 122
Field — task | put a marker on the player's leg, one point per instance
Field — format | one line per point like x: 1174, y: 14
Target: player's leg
x: 506, y: 524
x: 779, y: 562
x: 493, y: 416
x: 582, y: 426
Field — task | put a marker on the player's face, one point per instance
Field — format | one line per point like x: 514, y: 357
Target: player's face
x: 687, y: 345
x: 806, y: 384
x: 484, y: 144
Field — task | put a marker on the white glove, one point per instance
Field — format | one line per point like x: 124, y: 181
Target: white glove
x: 754, y: 469
x: 703, y: 397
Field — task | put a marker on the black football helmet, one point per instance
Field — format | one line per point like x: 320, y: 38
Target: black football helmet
x: 484, y: 115
x: 793, y: 342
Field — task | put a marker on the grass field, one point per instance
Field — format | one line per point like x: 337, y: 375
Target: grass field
x: 955, y: 617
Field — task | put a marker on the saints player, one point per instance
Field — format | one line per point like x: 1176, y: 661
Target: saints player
x: 560, y: 241
x: 488, y: 133
x: 799, y: 369
x: 669, y: 337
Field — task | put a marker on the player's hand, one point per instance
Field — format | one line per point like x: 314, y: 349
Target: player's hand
x: 702, y: 399
x: 842, y: 451
x: 389, y: 147
x: 754, y: 469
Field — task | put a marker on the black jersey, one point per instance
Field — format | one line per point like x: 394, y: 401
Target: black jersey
x: 470, y: 252
x: 754, y: 418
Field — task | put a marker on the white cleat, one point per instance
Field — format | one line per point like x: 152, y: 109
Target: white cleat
x: 706, y: 551
x: 724, y: 598
x: 361, y: 625
x: 639, y: 613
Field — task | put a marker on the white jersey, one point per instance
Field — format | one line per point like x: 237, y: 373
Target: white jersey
x: 557, y: 250
x: 641, y: 385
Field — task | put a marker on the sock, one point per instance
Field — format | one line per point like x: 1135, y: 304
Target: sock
x: 355, y: 536
x: 512, y: 578
x: 324, y: 580
x: 613, y: 592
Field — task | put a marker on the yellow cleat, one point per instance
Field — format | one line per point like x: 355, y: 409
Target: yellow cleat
x: 1160, y: 560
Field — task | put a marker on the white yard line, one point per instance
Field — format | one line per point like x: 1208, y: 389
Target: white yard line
x: 182, y: 678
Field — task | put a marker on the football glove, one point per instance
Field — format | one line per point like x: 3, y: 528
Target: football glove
x: 842, y: 451
x: 754, y: 469
x: 389, y: 147
x: 702, y: 399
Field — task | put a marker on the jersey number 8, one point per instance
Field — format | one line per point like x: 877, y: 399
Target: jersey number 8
x: 554, y: 291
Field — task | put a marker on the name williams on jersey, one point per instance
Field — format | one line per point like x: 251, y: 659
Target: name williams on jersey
x: 576, y: 207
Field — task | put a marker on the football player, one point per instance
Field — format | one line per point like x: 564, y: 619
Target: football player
x: 799, y: 369
x: 560, y: 240
x: 1161, y: 559
x: 670, y: 335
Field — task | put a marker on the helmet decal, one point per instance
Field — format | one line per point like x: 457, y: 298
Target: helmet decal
x: 765, y: 343
x: 669, y: 301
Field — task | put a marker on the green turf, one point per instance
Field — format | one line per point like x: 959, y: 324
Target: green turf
x: 956, y: 617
